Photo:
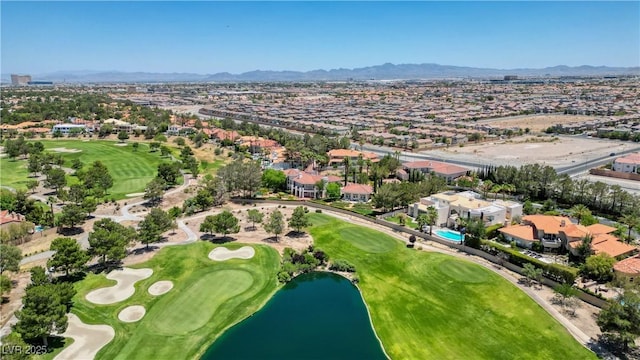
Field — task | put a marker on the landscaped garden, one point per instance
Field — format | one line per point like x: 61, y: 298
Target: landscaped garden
x: 208, y: 296
x: 130, y: 168
x: 433, y: 306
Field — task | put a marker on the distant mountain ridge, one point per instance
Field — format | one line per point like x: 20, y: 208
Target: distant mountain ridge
x: 386, y: 71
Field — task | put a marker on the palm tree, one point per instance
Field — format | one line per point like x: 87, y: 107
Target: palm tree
x: 496, y: 189
x: 429, y: 218
x: 508, y: 189
x: 486, y: 186
x: 579, y: 212
x: 632, y: 220
x: 347, y: 165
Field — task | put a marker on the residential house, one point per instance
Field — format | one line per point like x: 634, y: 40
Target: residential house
x: 66, y: 129
x: 447, y: 171
x: 336, y: 156
x: 452, y: 206
x: 303, y: 184
x: 558, y: 231
x: 7, y: 218
x: 629, y: 267
x: 357, y: 192
x: 628, y: 164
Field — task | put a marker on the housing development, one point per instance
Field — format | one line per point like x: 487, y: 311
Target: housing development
x: 145, y: 212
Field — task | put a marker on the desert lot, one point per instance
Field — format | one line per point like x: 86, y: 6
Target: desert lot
x: 564, y: 151
x: 536, y: 123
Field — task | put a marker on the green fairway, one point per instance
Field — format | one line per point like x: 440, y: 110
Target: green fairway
x: 13, y: 173
x: 434, y: 306
x: 207, y: 297
x: 131, y: 170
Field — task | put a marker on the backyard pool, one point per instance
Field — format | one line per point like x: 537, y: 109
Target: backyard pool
x: 449, y: 235
x: 38, y: 228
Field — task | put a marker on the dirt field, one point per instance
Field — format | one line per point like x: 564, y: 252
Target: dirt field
x: 536, y: 123
x: 565, y: 151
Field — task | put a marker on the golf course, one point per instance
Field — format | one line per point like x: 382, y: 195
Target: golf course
x: 207, y: 297
x: 131, y: 169
x: 427, y: 305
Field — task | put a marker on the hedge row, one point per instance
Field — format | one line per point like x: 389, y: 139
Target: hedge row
x: 556, y: 272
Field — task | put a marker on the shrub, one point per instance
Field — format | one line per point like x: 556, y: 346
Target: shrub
x: 492, y: 231
x: 284, y: 277
x: 319, y: 211
x: 342, y: 265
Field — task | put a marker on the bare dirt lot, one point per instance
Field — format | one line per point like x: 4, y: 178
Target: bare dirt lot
x: 564, y: 151
x: 536, y: 123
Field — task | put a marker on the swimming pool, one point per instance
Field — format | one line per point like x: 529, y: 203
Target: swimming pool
x: 449, y: 235
x: 38, y: 228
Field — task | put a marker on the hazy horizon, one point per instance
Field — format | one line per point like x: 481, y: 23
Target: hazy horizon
x: 215, y: 37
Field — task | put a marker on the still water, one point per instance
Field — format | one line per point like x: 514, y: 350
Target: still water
x: 315, y: 316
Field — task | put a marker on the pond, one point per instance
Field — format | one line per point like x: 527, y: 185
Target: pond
x: 315, y: 316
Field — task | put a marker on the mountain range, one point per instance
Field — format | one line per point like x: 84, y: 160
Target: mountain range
x: 379, y: 72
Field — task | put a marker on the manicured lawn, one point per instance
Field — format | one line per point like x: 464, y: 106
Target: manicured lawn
x: 207, y: 297
x: 408, y: 221
x: 131, y: 170
x: 434, y: 306
x: 13, y: 173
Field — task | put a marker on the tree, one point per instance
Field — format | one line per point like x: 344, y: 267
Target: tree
x: 97, y: 179
x: 631, y: 220
x: 531, y: 272
x: 10, y: 257
x: 208, y: 225
x: 274, y: 180
x: 154, y: 190
x: 32, y: 184
x: 5, y: 285
x: 620, y: 321
x: 225, y: 223
x: 55, y: 179
x: 164, y: 151
x: 72, y: 215
x: 43, y: 313
x: 599, y: 267
x: 153, y: 225
x: 68, y: 256
x: 109, y: 240
x: 474, y: 232
x: 429, y: 218
x: 135, y: 146
x: 584, y: 249
x: 579, y: 212
x: 76, y: 194
x: 169, y: 172
x: 299, y: 219
x: 275, y: 223
x: 34, y: 164
x: 333, y: 190
x: 255, y: 216
x: 122, y: 136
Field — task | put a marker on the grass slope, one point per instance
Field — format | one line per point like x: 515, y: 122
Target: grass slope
x: 207, y: 297
x: 434, y: 306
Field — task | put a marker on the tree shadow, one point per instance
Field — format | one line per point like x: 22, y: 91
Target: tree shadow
x: 271, y: 240
x: 295, y: 234
x: 106, y: 267
x: 74, y: 277
x: 55, y: 342
x: 216, y: 239
x: 70, y: 231
x: 144, y: 249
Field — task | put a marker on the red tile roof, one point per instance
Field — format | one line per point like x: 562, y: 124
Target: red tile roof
x: 629, y: 266
x: 359, y: 189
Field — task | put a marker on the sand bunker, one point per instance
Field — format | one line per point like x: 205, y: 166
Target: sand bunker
x: 88, y: 339
x: 65, y: 150
x: 222, y: 253
x: 120, y: 144
x: 160, y: 287
x: 135, y: 194
x: 124, y: 289
x: 132, y: 313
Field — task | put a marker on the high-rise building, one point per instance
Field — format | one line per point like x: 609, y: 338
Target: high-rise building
x: 20, y: 79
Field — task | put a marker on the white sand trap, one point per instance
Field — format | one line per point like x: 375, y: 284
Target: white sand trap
x: 222, y: 253
x: 88, y: 339
x: 65, y: 150
x: 124, y: 289
x: 132, y: 313
x: 135, y: 194
x: 121, y: 144
x: 160, y: 287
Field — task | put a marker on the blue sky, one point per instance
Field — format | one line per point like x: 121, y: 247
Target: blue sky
x: 211, y: 37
